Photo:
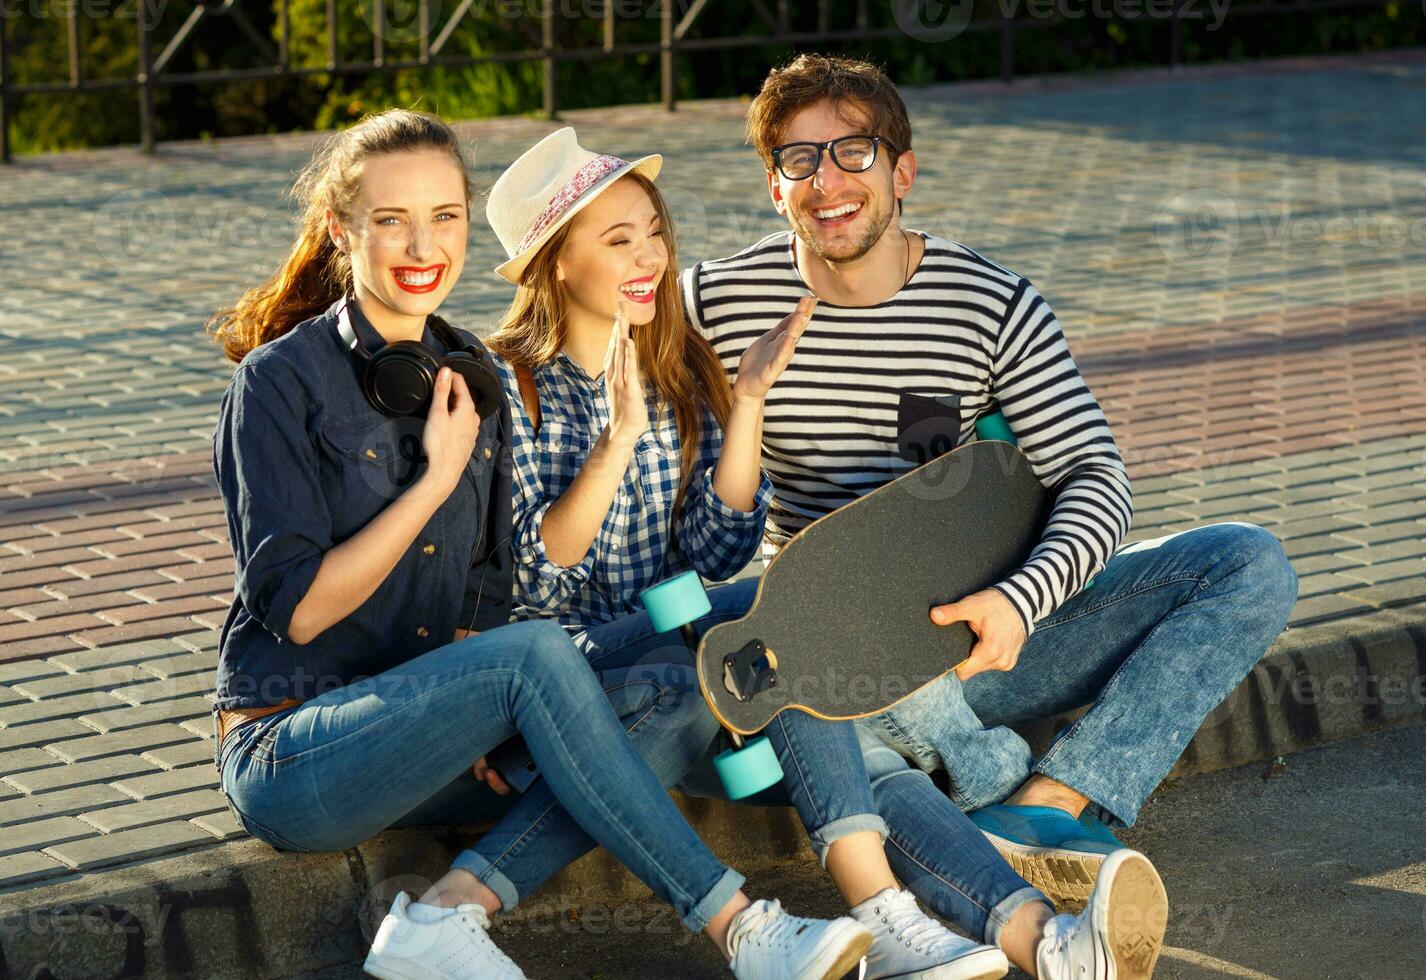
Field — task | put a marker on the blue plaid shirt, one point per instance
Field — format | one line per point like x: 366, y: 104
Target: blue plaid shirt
x: 632, y: 549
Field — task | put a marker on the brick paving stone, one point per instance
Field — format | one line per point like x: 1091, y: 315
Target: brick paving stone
x: 205, y: 662
x: 1316, y: 544
x: 184, y: 806
x: 221, y: 825
x: 1402, y: 591
x: 162, y: 542
x: 167, y: 689
x: 62, y: 803
x: 1323, y: 583
x: 148, y: 629
x: 51, y: 607
x: 111, y: 656
x: 147, y: 611
x: 27, y: 670
x: 181, y: 755
x: 23, y: 760
x: 70, y: 706
x: 1322, y: 608
x: 202, y: 640
x: 197, y: 569
x: 133, y: 740
x: 1377, y: 574
x: 73, y: 588
x: 160, y: 784
x: 122, y: 719
x: 202, y: 727
x: 1386, y: 533
x: 113, y: 566
x: 45, y: 733
x: 105, y: 770
x: 42, y: 833
x: 57, y: 626
x: 28, y: 868
x: 94, y: 680
x: 129, y: 845
x: 217, y: 585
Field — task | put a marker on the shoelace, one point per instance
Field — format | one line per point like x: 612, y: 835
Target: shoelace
x: 1058, y: 933
x: 768, y: 921
x: 908, y: 924
x: 477, y: 922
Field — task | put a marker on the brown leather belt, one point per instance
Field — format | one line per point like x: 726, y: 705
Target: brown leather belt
x: 234, y: 717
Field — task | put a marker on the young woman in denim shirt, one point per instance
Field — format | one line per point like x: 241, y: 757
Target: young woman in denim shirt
x: 366, y: 665
x: 634, y: 460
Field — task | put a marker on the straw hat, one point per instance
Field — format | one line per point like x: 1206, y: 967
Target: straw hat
x: 549, y: 184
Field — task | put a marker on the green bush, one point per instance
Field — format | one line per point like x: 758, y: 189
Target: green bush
x: 108, y: 31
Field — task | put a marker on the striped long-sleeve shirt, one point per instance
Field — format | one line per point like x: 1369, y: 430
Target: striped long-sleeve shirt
x: 961, y: 327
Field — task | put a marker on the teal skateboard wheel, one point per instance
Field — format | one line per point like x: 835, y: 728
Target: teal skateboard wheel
x: 676, y: 602
x: 748, y: 770
x: 994, y: 427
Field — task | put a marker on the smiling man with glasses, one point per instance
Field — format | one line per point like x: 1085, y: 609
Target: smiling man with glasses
x: 914, y: 334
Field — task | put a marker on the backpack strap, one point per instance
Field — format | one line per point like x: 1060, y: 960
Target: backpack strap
x: 529, y: 395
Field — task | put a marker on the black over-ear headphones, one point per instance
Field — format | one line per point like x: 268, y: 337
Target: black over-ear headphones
x: 398, y: 379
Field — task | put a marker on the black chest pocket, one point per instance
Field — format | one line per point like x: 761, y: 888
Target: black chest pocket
x: 927, y: 426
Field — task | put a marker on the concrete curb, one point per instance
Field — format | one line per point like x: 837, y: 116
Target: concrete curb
x: 242, y: 909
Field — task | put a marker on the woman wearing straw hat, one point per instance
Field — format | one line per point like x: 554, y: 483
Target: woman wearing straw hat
x: 361, y: 451
x: 635, y: 459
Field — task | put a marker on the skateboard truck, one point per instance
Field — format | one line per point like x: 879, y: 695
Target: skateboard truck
x: 675, y: 604
x: 750, y: 671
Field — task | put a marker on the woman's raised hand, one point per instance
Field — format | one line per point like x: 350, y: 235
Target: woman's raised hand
x: 766, y: 358
x: 628, y: 412
x: 452, y: 427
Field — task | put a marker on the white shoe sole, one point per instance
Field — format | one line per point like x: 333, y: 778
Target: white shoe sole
x: 982, y: 964
x: 1066, y: 877
x: 377, y: 966
x: 1133, y: 916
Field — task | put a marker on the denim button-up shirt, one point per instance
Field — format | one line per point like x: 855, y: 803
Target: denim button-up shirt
x: 303, y: 463
x: 639, y: 543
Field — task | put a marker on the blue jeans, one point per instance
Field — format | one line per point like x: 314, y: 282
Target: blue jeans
x: 1170, y: 628
x: 841, y: 782
x: 338, y: 769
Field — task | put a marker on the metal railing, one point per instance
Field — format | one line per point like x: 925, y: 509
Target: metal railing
x: 677, y: 19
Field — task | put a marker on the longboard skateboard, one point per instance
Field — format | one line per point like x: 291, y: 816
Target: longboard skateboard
x: 840, y: 627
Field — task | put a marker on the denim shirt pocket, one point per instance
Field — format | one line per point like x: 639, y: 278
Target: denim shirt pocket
x: 371, y: 463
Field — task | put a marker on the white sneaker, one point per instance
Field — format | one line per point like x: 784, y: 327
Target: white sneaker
x: 1119, y: 934
x: 455, y: 946
x: 765, y: 943
x: 907, y: 944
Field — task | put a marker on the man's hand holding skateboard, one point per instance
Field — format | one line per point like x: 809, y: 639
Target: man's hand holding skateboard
x: 996, y: 624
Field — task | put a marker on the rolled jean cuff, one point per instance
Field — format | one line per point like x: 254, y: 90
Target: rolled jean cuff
x: 1005, y: 910
x: 711, y: 904
x: 1106, y: 799
x: 490, y: 876
x: 829, y: 833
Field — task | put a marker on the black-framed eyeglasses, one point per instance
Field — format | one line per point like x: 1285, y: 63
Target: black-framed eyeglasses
x: 854, y: 154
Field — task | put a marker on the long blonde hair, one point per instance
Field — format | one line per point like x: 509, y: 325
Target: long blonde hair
x: 675, y: 357
x: 316, y: 273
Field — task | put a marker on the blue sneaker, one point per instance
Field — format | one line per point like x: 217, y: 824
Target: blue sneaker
x: 1047, y: 847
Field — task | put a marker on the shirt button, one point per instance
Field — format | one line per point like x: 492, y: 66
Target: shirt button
x: 430, y: 549
x: 371, y: 454
x: 487, y: 452
x: 422, y: 632
x: 613, y: 547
